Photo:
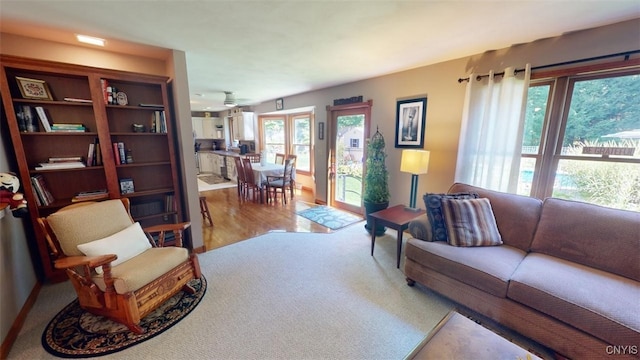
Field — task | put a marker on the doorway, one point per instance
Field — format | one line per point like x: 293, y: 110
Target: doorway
x: 349, y: 129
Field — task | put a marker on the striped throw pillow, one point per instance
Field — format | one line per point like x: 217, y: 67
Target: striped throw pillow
x: 470, y: 222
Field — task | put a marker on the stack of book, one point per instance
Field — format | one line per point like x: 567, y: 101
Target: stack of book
x: 64, y: 162
x: 57, y: 127
x: 93, y: 195
x: 40, y: 191
x: 158, y: 122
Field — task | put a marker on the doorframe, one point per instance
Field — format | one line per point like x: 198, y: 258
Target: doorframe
x: 332, y: 113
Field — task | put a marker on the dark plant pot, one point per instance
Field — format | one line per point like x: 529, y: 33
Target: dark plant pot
x: 370, y: 208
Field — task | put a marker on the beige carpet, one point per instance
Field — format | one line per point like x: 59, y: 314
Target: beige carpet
x: 283, y: 296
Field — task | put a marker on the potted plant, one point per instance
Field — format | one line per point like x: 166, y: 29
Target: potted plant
x: 376, y: 180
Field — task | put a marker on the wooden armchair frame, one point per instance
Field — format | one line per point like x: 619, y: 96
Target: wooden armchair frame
x: 131, y: 307
x: 281, y: 182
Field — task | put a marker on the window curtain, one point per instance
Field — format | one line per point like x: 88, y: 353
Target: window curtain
x: 491, y: 133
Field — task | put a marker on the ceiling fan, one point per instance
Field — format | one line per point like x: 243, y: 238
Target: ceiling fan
x: 229, y: 99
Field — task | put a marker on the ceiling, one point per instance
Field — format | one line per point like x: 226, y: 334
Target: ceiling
x: 263, y: 50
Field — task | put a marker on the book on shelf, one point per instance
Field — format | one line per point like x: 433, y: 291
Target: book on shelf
x: 116, y: 153
x: 60, y: 165
x: 42, y: 191
x: 121, y: 153
x: 92, y: 195
x: 91, y: 154
x: 158, y: 122
x: 78, y: 100
x: 46, y: 125
x: 60, y: 159
x: 26, y: 118
x: 126, y: 186
x: 68, y: 127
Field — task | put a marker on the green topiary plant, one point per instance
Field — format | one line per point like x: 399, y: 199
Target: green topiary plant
x: 376, y: 180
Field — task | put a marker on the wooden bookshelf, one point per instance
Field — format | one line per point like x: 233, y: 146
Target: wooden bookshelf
x: 154, y: 167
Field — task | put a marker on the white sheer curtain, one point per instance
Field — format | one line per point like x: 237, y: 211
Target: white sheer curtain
x: 491, y: 133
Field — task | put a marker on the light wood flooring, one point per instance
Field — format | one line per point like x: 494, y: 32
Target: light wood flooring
x: 235, y: 220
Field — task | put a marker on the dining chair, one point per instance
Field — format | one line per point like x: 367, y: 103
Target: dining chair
x: 294, y: 159
x: 241, y: 178
x: 281, y: 183
x: 280, y: 158
x: 251, y: 186
x: 253, y: 157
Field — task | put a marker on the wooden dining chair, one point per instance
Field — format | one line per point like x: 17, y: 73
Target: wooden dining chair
x: 251, y: 185
x: 253, y: 157
x: 241, y: 178
x: 293, y: 159
x: 279, y: 184
x: 280, y: 158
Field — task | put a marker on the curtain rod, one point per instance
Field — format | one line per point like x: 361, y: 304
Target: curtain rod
x: 625, y: 54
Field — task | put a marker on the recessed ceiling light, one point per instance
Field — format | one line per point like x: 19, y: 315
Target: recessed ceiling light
x: 90, y: 40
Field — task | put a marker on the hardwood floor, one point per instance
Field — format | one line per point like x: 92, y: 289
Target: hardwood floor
x: 235, y: 220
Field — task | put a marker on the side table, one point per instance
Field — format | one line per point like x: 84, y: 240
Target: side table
x: 396, y: 217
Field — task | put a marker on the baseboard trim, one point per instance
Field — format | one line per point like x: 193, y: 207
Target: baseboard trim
x: 12, y: 335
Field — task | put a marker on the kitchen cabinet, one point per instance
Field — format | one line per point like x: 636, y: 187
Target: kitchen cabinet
x: 207, y: 162
x: 207, y: 127
x: 243, y: 124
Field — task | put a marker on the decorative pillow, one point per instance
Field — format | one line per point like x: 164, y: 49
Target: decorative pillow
x: 470, y: 222
x: 420, y: 228
x: 127, y: 244
x: 432, y: 202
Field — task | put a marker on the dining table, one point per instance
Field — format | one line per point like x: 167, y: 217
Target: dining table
x: 262, y: 171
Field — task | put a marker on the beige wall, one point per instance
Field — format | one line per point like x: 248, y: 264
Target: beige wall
x: 445, y: 97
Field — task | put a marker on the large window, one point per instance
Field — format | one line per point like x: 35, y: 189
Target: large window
x: 581, y: 139
x: 288, y: 134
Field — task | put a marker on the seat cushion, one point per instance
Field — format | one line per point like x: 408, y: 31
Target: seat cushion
x: 600, y: 303
x: 486, y: 268
x: 137, y: 272
x: 86, y: 223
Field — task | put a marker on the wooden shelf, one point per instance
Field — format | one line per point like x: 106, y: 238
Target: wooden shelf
x: 154, y: 170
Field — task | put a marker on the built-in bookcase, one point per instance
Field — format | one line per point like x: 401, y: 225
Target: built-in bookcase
x: 72, y: 96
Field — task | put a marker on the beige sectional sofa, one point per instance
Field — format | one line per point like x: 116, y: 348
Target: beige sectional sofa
x: 567, y: 274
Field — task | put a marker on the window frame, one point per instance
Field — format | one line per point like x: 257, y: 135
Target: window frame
x: 556, y: 117
x: 289, y: 136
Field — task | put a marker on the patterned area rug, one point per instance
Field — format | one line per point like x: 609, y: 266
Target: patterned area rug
x: 75, y: 333
x: 327, y: 216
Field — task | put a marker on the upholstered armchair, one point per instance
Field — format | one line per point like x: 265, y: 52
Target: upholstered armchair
x: 118, y: 270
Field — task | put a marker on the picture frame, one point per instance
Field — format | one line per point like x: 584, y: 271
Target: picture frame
x: 279, y: 104
x: 126, y: 186
x: 410, y: 123
x: 34, y: 89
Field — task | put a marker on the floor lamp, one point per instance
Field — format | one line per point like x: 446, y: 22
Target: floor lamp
x: 415, y: 162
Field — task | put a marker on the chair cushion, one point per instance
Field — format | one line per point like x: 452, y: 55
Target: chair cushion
x: 137, y: 272
x: 470, y: 222
x: 127, y: 243
x: 432, y: 203
x: 82, y: 224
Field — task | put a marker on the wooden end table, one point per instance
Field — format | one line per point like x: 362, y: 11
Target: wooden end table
x: 396, y: 217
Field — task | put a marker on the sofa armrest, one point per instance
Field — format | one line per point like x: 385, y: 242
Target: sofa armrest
x: 420, y: 228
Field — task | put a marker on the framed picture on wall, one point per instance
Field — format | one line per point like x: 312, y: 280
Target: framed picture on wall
x: 410, y: 122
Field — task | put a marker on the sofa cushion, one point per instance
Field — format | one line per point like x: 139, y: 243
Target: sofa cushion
x: 486, y: 268
x: 594, y: 301
x: 420, y: 228
x: 433, y: 204
x: 516, y: 215
x: 143, y: 269
x: 470, y: 222
x: 599, y: 237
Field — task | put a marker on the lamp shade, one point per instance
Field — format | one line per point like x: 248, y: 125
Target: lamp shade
x: 415, y: 161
